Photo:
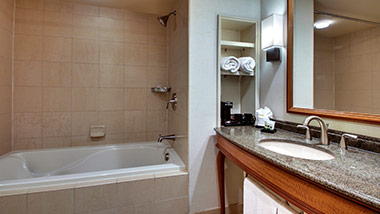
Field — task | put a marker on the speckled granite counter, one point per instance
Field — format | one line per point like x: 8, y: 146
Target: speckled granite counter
x: 355, y: 173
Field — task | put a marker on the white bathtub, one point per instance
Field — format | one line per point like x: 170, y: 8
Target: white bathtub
x: 35, y: 170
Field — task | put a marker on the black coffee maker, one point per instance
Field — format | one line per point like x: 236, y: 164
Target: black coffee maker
x: 229, y: 119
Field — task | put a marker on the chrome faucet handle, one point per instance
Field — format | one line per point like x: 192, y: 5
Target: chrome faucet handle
x: 308, y: 135
x: 343, y: 144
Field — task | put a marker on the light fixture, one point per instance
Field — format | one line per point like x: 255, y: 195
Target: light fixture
x: 322, y: 24
x: 272, y: 30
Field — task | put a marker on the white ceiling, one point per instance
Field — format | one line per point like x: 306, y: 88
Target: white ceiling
x: 160, y: 7
x: 363, y: 9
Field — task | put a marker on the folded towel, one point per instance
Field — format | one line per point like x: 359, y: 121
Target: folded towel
x: 230, y: 63
x: 247, y: 64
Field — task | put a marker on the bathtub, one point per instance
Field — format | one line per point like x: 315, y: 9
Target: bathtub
x: 39, y: 170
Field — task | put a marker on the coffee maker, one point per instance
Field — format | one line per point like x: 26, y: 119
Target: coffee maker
x: 229, y: 119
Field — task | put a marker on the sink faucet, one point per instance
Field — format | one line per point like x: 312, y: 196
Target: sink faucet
x: 322, y: 124
x: 166, y: 137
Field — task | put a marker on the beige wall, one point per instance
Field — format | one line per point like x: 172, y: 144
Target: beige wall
x: 357, y: 71
x: 324, y: 73
x: 6, y: 37
x: 79, y: 65
x: 178, y: 77
x: 159, y: 195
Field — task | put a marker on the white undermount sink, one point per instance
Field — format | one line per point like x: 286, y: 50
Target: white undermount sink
x: 295, y: 150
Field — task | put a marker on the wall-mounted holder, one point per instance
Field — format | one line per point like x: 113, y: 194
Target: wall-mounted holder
x: 161, y: 89
x: 273, y: 55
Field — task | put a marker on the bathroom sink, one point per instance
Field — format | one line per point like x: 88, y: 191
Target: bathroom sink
x: 296, y: 150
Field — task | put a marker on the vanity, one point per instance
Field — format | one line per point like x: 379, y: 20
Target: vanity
x: 347, y: 183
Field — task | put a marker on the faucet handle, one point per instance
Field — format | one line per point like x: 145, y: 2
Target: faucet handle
x: 308, y: 135
x: 343, y: 143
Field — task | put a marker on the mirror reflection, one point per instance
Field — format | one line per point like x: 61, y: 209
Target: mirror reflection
x: 342, y: 71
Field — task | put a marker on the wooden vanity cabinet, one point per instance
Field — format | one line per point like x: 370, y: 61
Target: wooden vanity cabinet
x: 303, y: 193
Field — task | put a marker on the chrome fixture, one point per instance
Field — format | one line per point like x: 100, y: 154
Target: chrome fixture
x: 308, y: 135
x: 322, y: 124
x: 166, y: 137
x: 164, y: 19
x: 173, y: 102
x: 343, y: 144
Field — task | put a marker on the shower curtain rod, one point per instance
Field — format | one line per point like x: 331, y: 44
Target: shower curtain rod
x: 345, y: 17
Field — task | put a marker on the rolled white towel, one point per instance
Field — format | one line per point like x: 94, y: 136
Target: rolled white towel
x: 247, y: 64
x: 230, y: 63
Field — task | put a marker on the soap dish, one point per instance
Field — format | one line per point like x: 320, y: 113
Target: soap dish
x: 160, y: 89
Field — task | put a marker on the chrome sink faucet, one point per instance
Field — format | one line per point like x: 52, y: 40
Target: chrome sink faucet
x: 322, y: 124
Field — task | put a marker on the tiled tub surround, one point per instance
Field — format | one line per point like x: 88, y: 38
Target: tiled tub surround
x: 160, y: 193
x: 6, y: 35
x: 352, y: 173
x: 148, y: 185
x: 80, y: 65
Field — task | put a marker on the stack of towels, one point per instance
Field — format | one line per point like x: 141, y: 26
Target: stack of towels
x: 233, y: 64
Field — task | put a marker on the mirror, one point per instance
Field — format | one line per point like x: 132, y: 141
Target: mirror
x: 334, y: 58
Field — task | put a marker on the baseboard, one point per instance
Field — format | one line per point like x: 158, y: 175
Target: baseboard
x: 232, y: 209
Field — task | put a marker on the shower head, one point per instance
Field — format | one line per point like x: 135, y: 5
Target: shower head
x: 164, y: 19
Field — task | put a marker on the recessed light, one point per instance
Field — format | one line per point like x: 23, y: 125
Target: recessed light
x: 322, y: 24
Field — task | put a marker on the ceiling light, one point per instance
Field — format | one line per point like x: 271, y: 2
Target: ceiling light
x: 322, y: 24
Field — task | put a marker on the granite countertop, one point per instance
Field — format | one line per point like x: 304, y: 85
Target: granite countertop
x: 354, y: 173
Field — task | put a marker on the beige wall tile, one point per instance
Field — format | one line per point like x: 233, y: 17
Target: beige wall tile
x: 56, y: 124
x: 30, y: 4
x: 175, y: 206
x: 85, y: 51
x: 111, y: 29
x: 28, y: 99
x: 111, y: 53
x: 27, y: 73
x: 85, y: 99
x: 58, y: 24
x: 111, y: 76
x: 82, y: 121
x: 87, y: 10
x: 27, y: 125
x: 157, y: 55
x: 135, y: 121
x: 15, y: 204
x: 136, y: 31
x: 156, y: 100
x: 132, y: 137
x: 156, y: 120
x: 27, y: 47
x: 110, y: 99
x: 56, y: 142
x: 6, y: 71
x: 157, y: 76
x: 113, y: 120
x: 135, y: 99
x: 85, y: 75
x: 171, y: 187
x: 6, y: 99
x: 95, y: 198
x: 135, y: 54
x: 112, y: 13
x: 6, y: 14
x: 57, y: 74
x: 57, y: 49
x: 85, y: 27
x: 135, y: 192
x: 58, y: 6
x: 157, y: 34
x: 127, y: 210
x: 6, y: 44
x: 56, y: 99
x: 135, y: 76
x: 57, y: 202
x: 29, y: 21
x: 25, y: 144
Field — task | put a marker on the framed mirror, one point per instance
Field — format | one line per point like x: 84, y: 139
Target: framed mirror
x: 333, y: 59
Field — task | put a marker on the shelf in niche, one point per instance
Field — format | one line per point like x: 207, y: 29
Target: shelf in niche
x: 236, y: 45
x: 238, y: 73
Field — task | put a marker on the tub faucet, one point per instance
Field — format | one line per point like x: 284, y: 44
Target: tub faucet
x: 166, y: 137
x: 322, y: 124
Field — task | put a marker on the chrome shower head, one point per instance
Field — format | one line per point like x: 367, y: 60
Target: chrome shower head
x: 164, y: 19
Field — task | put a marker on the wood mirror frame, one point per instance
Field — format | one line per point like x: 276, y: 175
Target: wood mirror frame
x: 352, y: 116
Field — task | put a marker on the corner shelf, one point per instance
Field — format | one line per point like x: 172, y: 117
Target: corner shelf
x: 238, y: 73
x: 236, y: 45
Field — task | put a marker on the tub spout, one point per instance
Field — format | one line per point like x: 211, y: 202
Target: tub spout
x: 166, y: 137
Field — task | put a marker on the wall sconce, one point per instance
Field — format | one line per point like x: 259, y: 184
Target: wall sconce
x: 272, y: 31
